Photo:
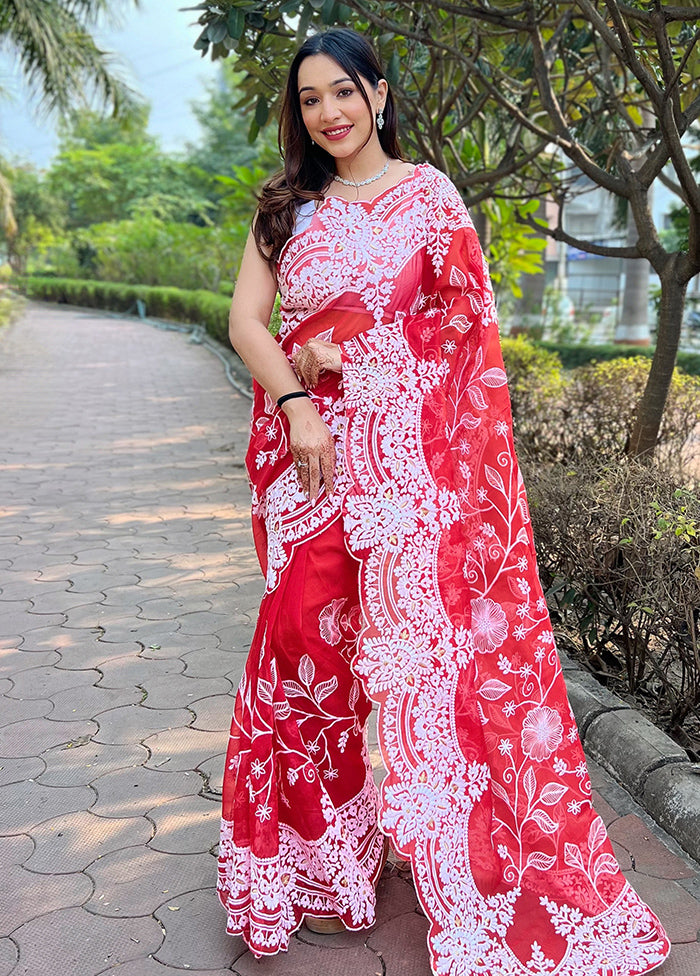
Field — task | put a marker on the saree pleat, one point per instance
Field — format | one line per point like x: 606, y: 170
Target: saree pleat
x: 415, y: 585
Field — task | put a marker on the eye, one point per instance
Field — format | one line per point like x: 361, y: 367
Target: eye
x: 311, y: 100
x: 344, y: 92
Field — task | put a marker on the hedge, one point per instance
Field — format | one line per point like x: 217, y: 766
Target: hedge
x: 573, y: 355
x: 196, y: 307
x: 211, y: 310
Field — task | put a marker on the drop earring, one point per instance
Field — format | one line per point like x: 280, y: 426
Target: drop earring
x: 380, y: 119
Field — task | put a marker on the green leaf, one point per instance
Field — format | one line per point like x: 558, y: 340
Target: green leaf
x: 392, y: 69
x: 329, y: 12
x: 317, y: 4
x: 217, y: 31
x: 253, y: 131
x: 235, y: 22
x: 262, y: 111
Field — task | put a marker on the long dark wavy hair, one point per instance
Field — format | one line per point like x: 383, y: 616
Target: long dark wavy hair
x: 308, y: 169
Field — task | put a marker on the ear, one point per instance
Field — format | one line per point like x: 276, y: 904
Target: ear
x: 382, y: 91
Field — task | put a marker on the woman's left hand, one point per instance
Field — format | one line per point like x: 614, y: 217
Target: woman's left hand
x: 315, y: 356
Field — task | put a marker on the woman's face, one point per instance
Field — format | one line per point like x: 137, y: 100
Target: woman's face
x: 333, y: 109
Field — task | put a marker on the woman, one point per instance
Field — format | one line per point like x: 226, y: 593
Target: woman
x: 391, y: 524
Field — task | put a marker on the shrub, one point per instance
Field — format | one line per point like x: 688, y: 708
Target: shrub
x: 198, y: 307
x: 619, y: 554
x: 572, y: 355
x: 590, y: 411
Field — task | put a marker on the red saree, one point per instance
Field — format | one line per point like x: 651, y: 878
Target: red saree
x: 414, y: 586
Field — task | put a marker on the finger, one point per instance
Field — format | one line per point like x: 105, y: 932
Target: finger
x: 302, y: 468
x: 314, y: 470
x: 328, y: 460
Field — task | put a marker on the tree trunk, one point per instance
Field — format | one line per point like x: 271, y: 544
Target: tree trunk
x: 651, y: 408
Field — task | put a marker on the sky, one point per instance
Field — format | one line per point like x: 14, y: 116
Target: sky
x: 154, y: 44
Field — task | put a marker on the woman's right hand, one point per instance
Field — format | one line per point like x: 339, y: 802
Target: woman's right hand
x: 311, y: 445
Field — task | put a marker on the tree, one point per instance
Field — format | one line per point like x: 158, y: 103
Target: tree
x: 515, y: 100
x: 37, y: 214
x: 112, y: 169
x: 58, y: 56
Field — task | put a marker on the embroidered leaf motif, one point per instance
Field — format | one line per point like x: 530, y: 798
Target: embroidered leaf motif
x: 540, y: 861
x: 264, y: 690
x: 494, y: 479
x: 458, y: 279
x: 354, y: 694
x: 545, y: 822
x: 477, y: 398
x: 461, y: 323
x: 572, y: 856
x: 494, y: 377
x: 499, y: 791
x: 605, y: 864
x: 282, y: 709
x: 552, y: 793
x: 325, y: 688
x: 293, y: 689
x: 530, y: 781
x: 307, y: 670
x: 493, y: 689
x: 596, y: 834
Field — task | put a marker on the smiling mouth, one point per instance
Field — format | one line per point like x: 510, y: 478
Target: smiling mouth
x: 340, y: 131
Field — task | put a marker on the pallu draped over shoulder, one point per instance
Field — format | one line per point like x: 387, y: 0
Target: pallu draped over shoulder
x: 413, y: 586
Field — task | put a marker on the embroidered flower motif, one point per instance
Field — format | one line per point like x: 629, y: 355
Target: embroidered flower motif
x: 257, y: 768
x: 329, y: 622
x: 542, y: 732
x: 263, y: 812
x: 489, y: 624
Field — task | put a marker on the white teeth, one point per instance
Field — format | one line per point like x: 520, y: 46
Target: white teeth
x: 334, y: 132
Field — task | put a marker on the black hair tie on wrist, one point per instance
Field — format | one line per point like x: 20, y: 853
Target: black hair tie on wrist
x: 291, y: 396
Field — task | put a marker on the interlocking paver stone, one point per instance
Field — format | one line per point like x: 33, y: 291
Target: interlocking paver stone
x: 8, y: 956
x: 73, y: 841
x: 188, y: 825
x: 85, y: 650
x: 86, y: 760
x: 183, y: 748
x: 24, y: 805
x: 194, y: 934
x: 182, y: 688
x: 33, y: 736
x: 130, y: 670
x: 14, y: 660
x: 15, y: 850
x: 305, y: 959
x: 212, y: 661
x: 402, y: 944
x: 151, y: 967
x: 76, y: 703
x: 133, y: 723
x: 75, y: 942
x: 17, y: 770
x: 133, y: 792
x: 19, y: 709
x: 213, y: 714
x: 683, y: 961
x: 41, y: 682
x: 135, y: 881
x: 24, y: 895
x: 213, y: 771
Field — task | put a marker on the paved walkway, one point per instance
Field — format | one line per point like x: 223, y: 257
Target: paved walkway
x: 128, y: 592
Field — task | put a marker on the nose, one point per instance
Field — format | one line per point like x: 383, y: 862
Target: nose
x: 330, y: 110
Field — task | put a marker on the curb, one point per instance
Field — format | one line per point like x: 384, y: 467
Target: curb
x: 653, y: 768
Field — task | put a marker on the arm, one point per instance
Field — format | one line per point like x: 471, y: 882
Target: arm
x: 253, y: 299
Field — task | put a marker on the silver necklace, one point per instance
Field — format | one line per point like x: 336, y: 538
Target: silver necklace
x: 378, y: 176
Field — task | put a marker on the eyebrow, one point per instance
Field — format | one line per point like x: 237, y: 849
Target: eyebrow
x: 333, y: 84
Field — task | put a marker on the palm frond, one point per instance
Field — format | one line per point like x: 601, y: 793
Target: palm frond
x: 60, y: 61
